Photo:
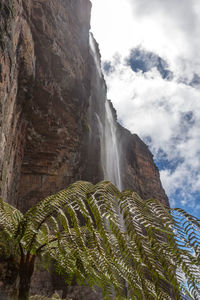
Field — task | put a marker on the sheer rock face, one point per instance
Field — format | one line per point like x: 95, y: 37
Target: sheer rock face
x: 138, y: 169
x: 17, y: 71
x: 57, y: 111
x: 50, y: 91
x: 44, y: 97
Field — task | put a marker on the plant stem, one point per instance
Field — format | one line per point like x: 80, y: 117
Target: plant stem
x: 25, y: 273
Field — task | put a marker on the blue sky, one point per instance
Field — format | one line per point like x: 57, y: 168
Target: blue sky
x: 151, y: 61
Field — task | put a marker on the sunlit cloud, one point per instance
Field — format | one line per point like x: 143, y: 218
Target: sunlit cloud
x: 151, y: 61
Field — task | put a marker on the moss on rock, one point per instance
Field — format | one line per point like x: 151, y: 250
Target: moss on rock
x: 54, y: 297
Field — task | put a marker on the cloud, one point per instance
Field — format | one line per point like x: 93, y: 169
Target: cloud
x: 195, y: 82
x: 172, y: 30
x: 166, y: 115
x: 172, y: 16
x: 141, y: 60
x: 168, y: 28
x: 107, y: 67
x: 183, y: 15
x: 143, y: 43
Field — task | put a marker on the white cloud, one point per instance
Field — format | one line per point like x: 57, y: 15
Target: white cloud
x: 110, y: 20
x: 169, y: 28
x: 167, y: 112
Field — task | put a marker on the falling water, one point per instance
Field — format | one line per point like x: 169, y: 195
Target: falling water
x: 107, y: 126
x: 110, y: 156
x: 112, y: 149
x: 102, y: 144
x: 96, y: 59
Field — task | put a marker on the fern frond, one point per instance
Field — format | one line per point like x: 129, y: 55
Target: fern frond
x: 45, y: 209
x: 10, y: 218
x: 111, y: 239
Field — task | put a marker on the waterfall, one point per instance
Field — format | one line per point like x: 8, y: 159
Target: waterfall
x: 94, y: 54
x: 102, y: 110
x: 110, y: 157
x: 112, y: 154
x: 107, y: 125
x: 102, y: 144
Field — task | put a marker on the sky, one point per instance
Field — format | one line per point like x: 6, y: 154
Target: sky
x: 151, y: 62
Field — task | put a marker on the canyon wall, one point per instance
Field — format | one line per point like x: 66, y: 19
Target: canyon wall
x: 45, y: 91
x: 52, y: 107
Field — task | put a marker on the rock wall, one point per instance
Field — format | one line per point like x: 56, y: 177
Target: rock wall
x: 58, y: 109
x: 17, y: 73
x: 44, y: 96
x: 51, y: 89
x: 139, y: 171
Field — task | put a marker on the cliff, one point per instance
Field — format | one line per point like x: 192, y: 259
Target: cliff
x: 53, y: 112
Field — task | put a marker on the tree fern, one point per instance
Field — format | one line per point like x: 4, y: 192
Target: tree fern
x: 113, y: 240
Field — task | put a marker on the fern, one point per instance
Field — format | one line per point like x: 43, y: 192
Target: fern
x: 113, y: 240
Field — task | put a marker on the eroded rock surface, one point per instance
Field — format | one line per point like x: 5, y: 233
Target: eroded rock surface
x: 17, y: 73
x: 44, y: 97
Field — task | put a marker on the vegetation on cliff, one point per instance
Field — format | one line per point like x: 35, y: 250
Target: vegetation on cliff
x: 54, y: 297
x: 103, y: 237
